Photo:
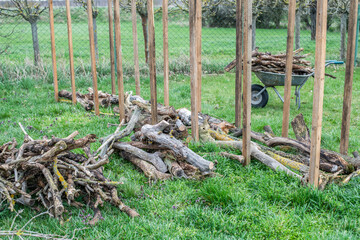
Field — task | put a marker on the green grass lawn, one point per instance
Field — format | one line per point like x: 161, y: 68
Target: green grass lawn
x: 244, y: 203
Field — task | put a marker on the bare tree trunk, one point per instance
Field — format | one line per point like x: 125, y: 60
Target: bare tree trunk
x: 95, y: 39
x: 297, y: 28
x: 253, y: 42
x: 343, y: 36
x: 313, y: 20
x: 144, y: 21
x: 35, y: 41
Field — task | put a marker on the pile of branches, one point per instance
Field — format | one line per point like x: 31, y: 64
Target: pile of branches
x: 334, y: 167
x: 46, y: 173
x: 266, y: 62
x: 160, y: 149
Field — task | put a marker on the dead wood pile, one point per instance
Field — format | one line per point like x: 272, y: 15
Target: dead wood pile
x: 159, y: 149
x: 266, y: 62
x: 46, y: 173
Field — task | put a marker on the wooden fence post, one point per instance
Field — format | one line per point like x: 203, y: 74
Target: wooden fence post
x: 93, y: 57
x: 111, y: 41
x: 136, y: 48
x: 152, y: 66
x: 194, y: 70
x: 119, y: 69
x: 288, y: 70
x: 53, y: 51
x: 71, y: 53
x: 247, y: 4
x: 238, y: 76
x: 166, y: 52
x: 320, y: 54
x: 349, y: 75
x: 198, y: 52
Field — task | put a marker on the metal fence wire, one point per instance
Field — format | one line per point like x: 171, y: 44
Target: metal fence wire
x: 218, y: 37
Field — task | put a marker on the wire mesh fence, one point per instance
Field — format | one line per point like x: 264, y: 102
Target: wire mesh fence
x: 218, y: 39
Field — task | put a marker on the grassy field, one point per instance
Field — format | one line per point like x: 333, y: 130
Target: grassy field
x: 218, y: 44
x: 244, y: 203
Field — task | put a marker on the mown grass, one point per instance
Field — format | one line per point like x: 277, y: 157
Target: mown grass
x: 241, y: 203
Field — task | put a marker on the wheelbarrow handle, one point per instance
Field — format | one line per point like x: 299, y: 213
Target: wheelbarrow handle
x: 328, y: 62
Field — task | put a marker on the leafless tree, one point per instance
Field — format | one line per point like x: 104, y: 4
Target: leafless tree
x: 30, y: 11
x: 341, y: 8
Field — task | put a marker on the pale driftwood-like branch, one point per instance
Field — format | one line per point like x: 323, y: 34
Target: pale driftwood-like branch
x: 149, y: 170
x: 153, y: 158
x: 257, y: 154
x: 154, y: 133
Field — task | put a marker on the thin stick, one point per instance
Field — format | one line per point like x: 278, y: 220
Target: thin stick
x: 247, y: 5
x: 136, y: 48
x: 288, y: 68
x: 152, y: 66
x: 166, y: 52
x: 320, y: 53
x: 71, y: 53
x: 238, y: 76
x: 111, y: 41
x: 349, y: 75
x: 119, y: 68
x: 93, y: 57
x: 26, y: 134
x: 193, y: 71
x: 53, y: 51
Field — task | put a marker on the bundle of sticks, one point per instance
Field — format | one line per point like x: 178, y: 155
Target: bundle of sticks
x: 267, y: 62
x: 47, y: 173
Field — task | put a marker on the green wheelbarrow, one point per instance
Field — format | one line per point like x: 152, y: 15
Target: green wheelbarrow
x: 259, y: 94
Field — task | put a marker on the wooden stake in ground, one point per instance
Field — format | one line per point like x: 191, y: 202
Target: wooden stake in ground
x: 320, y: 54
x: 349, y: 75
x: 238, y: 76
x: 198, y: 25
x: 136, y: 49
x: 193, y: 71
x: 112, y: 54
x: 119, y: 69
x: 71, y: 54
x: 152, y: 66
x: 93, y: 57
x: 166, y: 52
x: 53, y: 51
x: 247, y: 5
x: 289, y: 66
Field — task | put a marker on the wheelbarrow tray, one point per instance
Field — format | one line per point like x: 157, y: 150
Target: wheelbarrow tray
x: 270, y: 79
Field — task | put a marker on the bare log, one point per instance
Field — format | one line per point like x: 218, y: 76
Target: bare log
x: 301, y: 131
x: 154, y: 133
x: 153, y: 158
x: 262, y: 157
x: 149, y: 170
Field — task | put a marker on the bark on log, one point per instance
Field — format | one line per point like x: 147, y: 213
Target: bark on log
x: 175, y: 169
x: 155, y: 134
x: 149, y: 170
x: 325, y: 155
x: 301, y: 131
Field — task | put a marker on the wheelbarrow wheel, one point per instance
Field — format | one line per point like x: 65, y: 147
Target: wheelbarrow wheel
x: 258, y: 100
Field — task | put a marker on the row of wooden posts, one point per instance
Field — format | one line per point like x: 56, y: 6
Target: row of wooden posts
x: 243, y: 61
